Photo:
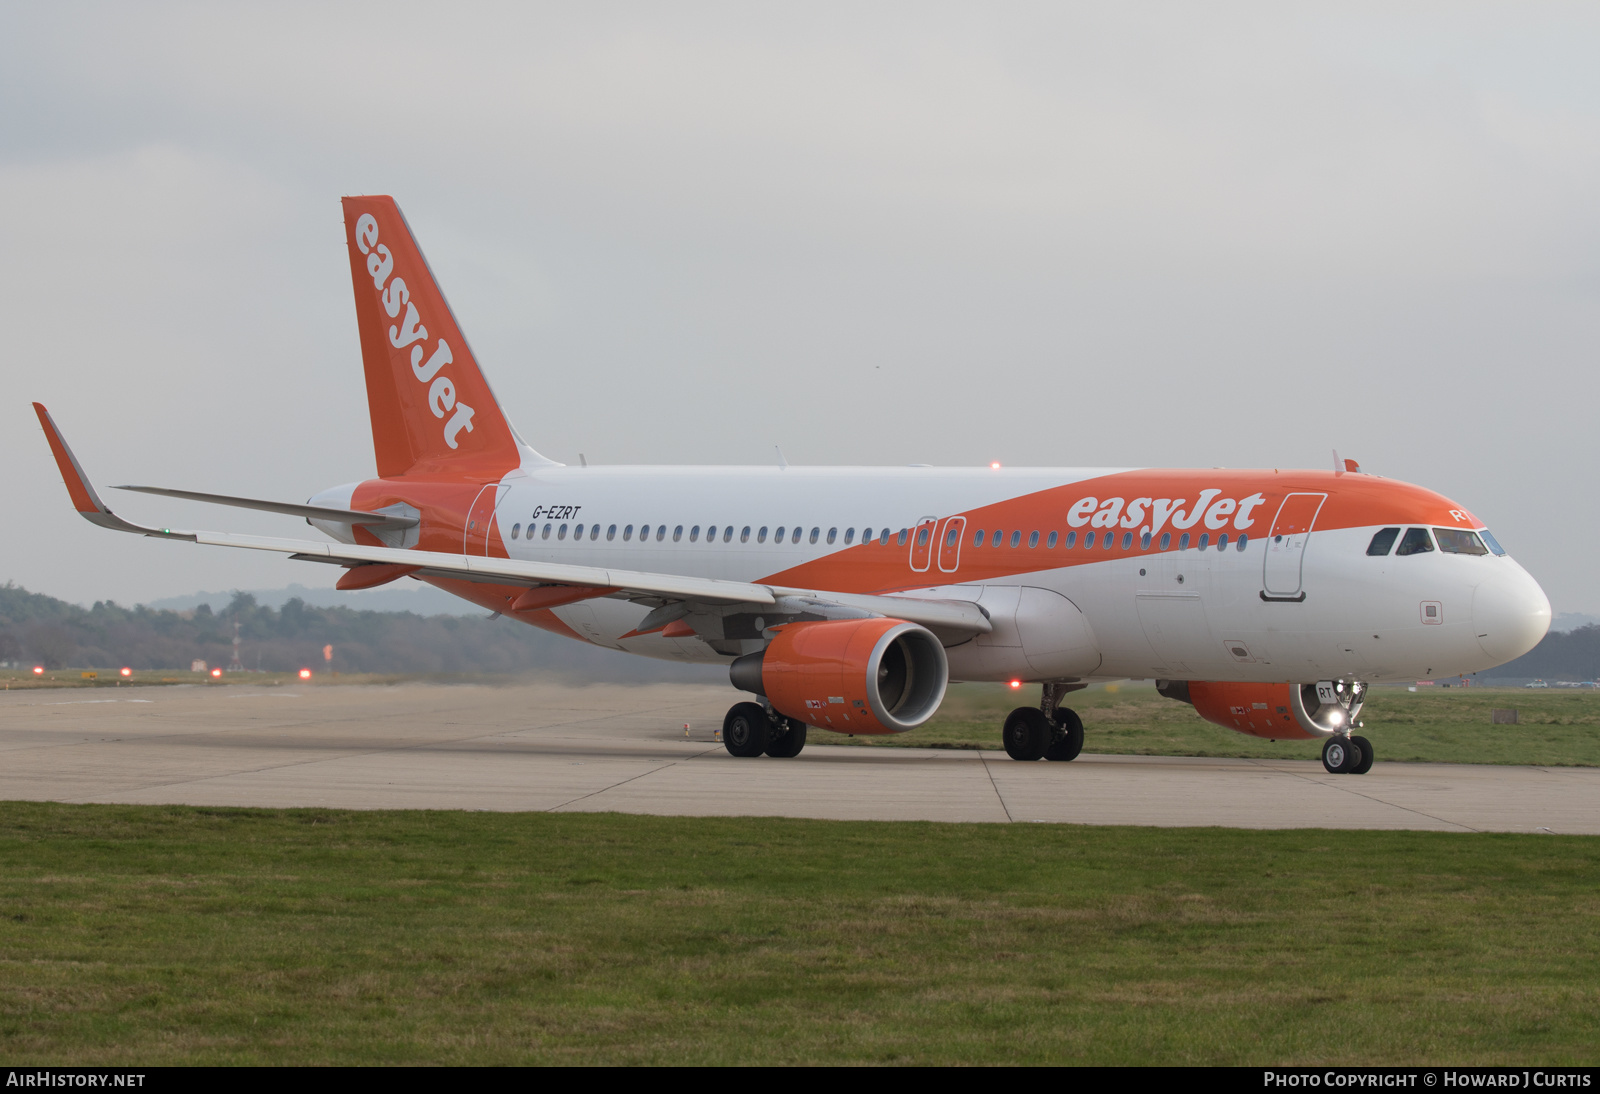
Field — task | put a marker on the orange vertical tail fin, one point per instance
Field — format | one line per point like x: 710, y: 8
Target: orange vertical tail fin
x: 432, y: 410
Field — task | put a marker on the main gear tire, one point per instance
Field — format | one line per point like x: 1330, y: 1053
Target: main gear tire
x: 1026, y: 733
x: 1067, y: 740
x: 746, y: 729
x: 787, y: 745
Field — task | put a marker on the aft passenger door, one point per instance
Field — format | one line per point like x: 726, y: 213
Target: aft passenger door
x: 950, y: 544
x: 1286, y: 545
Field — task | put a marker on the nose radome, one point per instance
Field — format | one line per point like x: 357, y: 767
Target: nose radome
x: 1510, y: 613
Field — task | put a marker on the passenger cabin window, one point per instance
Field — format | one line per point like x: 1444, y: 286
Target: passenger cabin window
x: 727, y: 534
x: 1072, y: 541
x: 795, y: 535
x: 833, y: 534
x: 561, y: 533
x: 850, y: 535
x: 515, y: 528
x: 627, y: 533
x: 546, y: 533
x: 1459, y: 541
x: 1016, y: 538
x: 977, y: 538
x: 744, y: 536
x: 1144, y: 542
x: 900, y: 540
x: 1050, y: 543
x: 1166, y: 540
x: 611, y: 533
x: 1382, y: 541
x: 694, y: 534
x: 1416, y: 542
x: 1244, y: 538
x: 1088, y: 540
x: 661, y: 532
x: 761, y: 536
x: 1127, y: 540
x: 815, y: 533
x: 1183, y: 542
x: 1033, y: 538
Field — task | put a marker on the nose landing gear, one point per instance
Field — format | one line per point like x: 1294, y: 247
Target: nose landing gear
x: 1334, y: 706
x: 1048, y: 731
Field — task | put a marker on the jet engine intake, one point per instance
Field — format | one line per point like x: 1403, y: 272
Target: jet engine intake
x: 868, y: 676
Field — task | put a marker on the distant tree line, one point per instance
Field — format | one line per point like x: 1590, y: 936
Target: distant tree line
x: 41, y: 630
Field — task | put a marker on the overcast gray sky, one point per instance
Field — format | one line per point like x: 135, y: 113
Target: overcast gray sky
x: 1167, y: 234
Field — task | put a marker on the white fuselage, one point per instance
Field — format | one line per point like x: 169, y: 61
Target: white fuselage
x: 1058, y: 611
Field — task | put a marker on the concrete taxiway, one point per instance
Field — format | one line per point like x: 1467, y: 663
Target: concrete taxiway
x: 545, y: 746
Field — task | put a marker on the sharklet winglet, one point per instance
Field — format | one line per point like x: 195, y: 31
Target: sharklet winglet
x: 82, y: 492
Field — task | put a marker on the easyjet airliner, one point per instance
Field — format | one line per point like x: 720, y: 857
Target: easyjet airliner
x: 846, y: 598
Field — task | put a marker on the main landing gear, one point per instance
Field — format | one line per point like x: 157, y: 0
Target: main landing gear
x: 1347, y: 755
x: 1047, y: 731
x: 751, y: 729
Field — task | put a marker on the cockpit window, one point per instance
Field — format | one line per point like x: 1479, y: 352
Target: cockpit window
x: 1459, y: 541
x: 1383, y: 542
x: 1416, y: 542
x: 1494, y: 544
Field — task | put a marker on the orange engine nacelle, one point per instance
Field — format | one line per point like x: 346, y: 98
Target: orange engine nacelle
x: 867, y: 676
x: 1261, y: 710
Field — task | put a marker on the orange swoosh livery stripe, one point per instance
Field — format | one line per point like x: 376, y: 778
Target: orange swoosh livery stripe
x: 1353, y: 501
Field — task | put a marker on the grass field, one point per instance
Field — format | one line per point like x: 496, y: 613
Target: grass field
x: 1444, y: 725
x: 157, y: 935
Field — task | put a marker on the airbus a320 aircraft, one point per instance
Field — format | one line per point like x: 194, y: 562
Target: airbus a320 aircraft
x: 846, y: 598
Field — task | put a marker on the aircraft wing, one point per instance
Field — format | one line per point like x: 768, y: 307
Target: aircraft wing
x: 662, y: 589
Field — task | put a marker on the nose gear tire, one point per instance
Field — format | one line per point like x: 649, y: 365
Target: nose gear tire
x: 1366, y: 756
x: 1340, y: 755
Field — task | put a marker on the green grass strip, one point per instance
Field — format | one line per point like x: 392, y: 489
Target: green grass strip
x: 151, y: 935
